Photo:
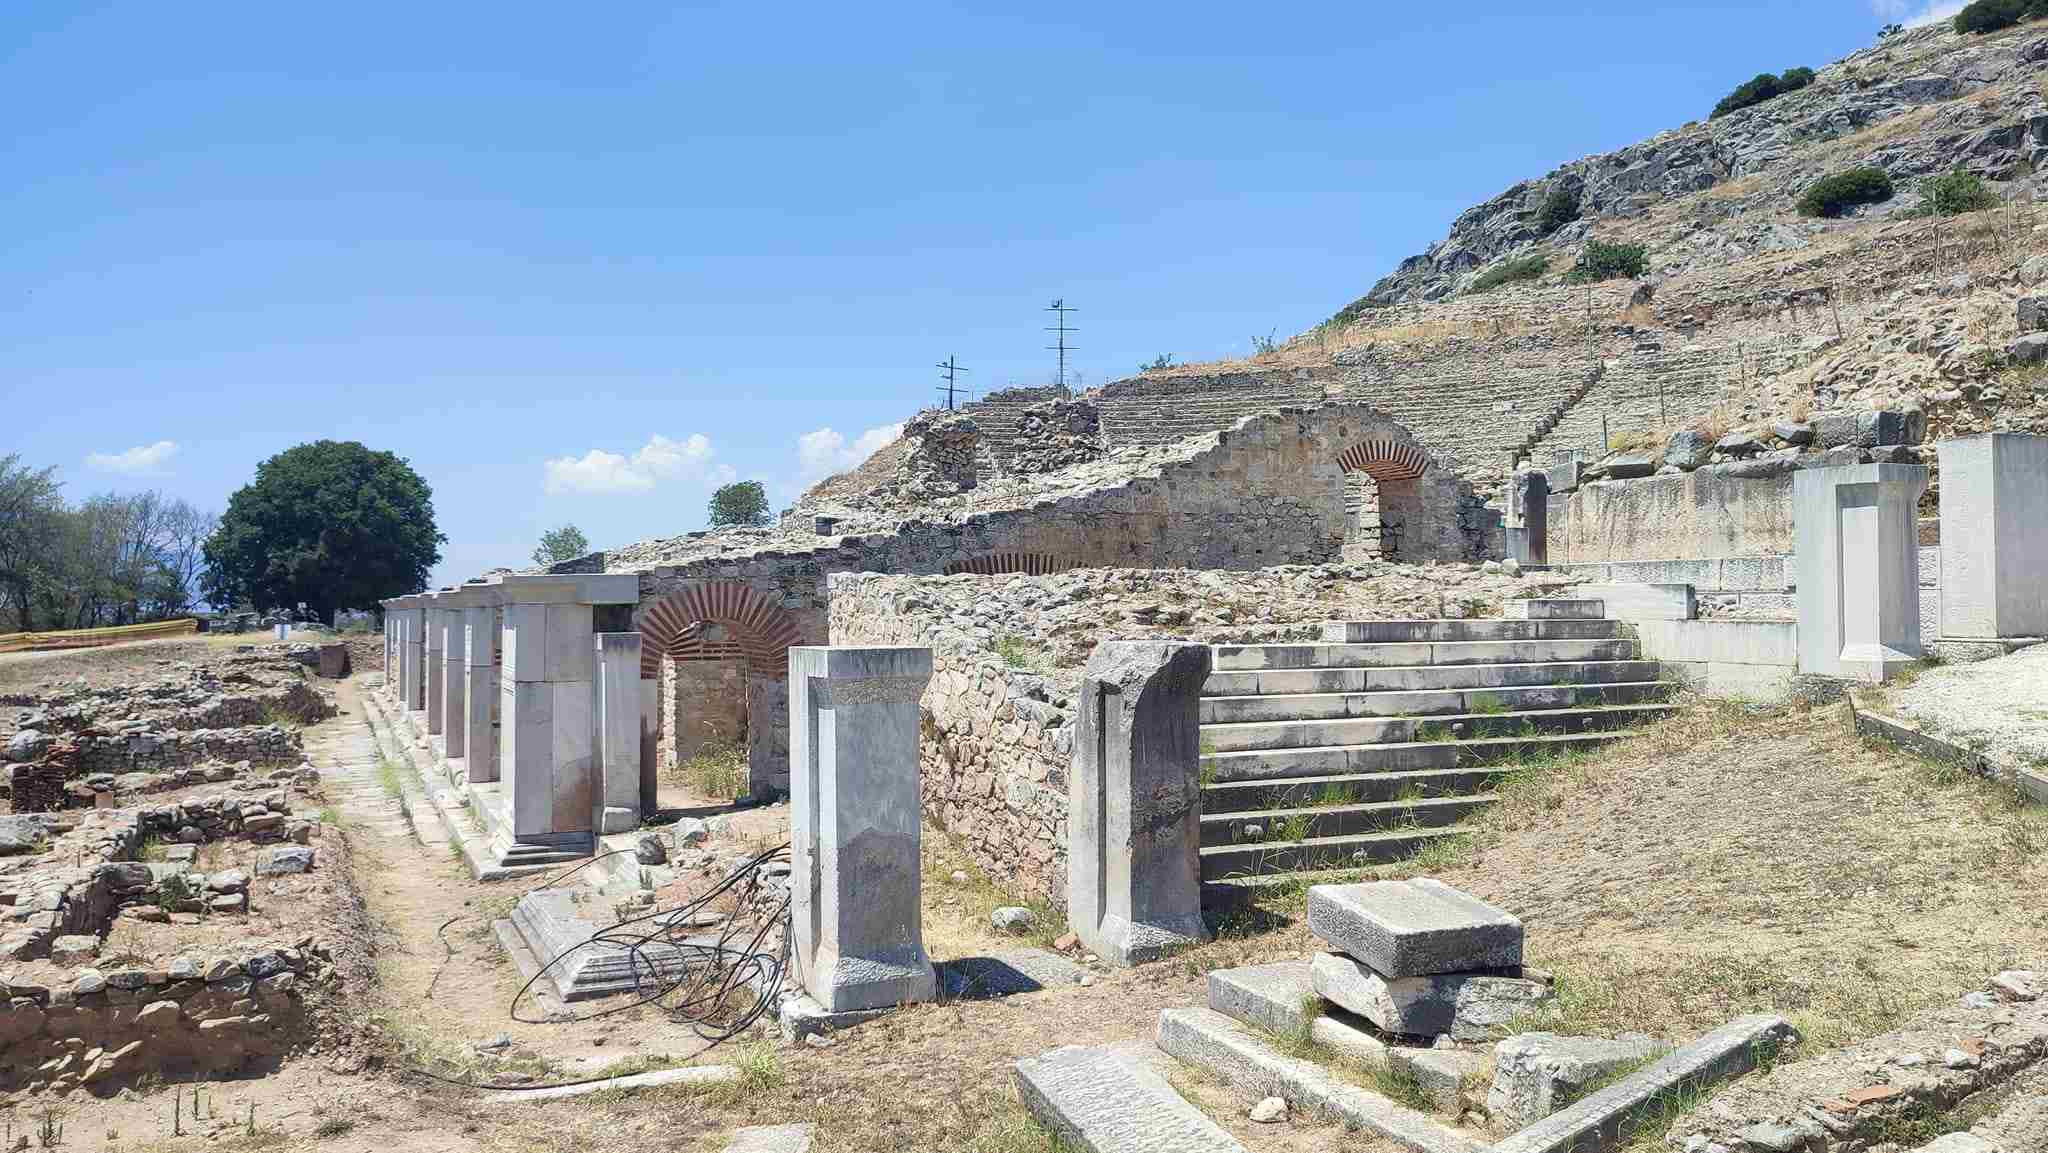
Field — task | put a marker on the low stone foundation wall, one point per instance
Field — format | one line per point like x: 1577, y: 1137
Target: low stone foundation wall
x: 213, y: 1016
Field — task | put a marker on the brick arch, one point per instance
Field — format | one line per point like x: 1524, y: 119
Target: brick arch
x: 1385, y: 458
x: 674, y: 627
x: 1002, y: 563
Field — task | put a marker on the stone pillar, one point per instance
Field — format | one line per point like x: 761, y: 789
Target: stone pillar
x: 617, y: 702
x: 480, y: 692
x: 415, y: 642
x: 436, y: 665
x: 1134, y: 801
x: 1859, y: 568
x: 650, y: 762
x: 454, y: 684
x: 854, y: 825
x: 1528, y: 517
x: 547, y: 731
x: 1994, y: 536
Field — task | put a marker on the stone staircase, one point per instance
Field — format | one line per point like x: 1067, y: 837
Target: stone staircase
x: 1390, y: 734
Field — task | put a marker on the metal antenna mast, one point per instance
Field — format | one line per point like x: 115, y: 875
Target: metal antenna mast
x: 950, y: 389
x: 1059, y: 326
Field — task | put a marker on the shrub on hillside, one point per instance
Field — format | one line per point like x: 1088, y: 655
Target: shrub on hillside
x: 1350, y: 313
x: 1510, y: 271
x: 1952, y: 195
x: 1604, y: 261
x: 1833, y: 193
x: 1992, y: 15
x: 1764, y: 87
x: 1560, y: 207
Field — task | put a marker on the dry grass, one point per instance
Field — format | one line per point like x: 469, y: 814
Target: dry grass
x: 717, y: 772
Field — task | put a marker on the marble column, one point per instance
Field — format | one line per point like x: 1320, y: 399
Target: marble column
x: 480, y: 692
x: 1859, y: 569
x: 454, y: 679
x: 854, y: 825
x: 436, y: 666
x: 547, y: 729
x: 1134, y: 801
x: 1994, y: 536
x: 414, y: 623
x: 617, y: 699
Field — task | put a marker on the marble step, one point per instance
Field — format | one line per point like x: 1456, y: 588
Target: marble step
x: 1108, y: 1100
x: 1336, y: 760
x: 1425, y: 678
x: 1225, y: 797
x: 1425, y: 702
x: 1250, y: 658
x: 1298, y: 734
x: 1262, y: 827
x: 1351, y: 850
x: 1535, y: 628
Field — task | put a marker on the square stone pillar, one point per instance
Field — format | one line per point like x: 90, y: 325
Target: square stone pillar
x: 1994, y: 536
x: 618, y: 730
x: 854, y: 825
x: 547, y: 731
x: 1134, y: 801
x: 414, y: 619
x: 480, y: 692
x: 1528, y: 517
x: 454, y: 683
x: 1859, y: 568
x: 436, y: 666
x: 650, y: 752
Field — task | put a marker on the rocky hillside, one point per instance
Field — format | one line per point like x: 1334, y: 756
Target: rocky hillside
x: 1917, y: 104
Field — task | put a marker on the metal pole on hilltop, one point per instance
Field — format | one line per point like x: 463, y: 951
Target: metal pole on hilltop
x: 1059, y: 327
x: 952, y: 370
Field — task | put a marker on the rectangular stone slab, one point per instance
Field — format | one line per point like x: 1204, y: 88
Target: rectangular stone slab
x: 1414, y: 928
x: 1467, y: 1006
x: 1277, y: 998
x: 1108, y: 1101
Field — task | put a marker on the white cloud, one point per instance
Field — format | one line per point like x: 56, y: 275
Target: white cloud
x: 1915, y: 13
x: 142, y: 459
x: 824, y: 451
x: 657, y: 461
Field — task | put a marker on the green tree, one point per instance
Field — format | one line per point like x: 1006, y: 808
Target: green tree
x: 741, y: 502
x: 31, y: 525
x: 330, y: 524
x: 565, y: 543
x: 1954, y: 194
x: 1560, y: 207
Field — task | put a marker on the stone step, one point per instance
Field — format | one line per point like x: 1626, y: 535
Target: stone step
x: 1352, y: 850
x: 1280, y: 999
x: 1535, y: 628
x: 1335, y: 760
x: 1252, y: 658
x: 1424, y: 702
x: 1420, y: 678
x: 1234, y: 738
x: 1335, y: 820
x: 1360, y: 788
x: 1557, y: 609
x: 1112, y: 1101
x: 1209, y: 1040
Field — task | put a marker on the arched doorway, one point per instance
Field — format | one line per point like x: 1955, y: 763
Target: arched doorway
x: 716, y: 656
x: 1381, y: 496
x: 1003, y: 563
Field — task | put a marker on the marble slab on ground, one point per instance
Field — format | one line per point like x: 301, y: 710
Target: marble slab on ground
x: 1466, y: 1006
x: 1414, y: 928
x: 772, y: 1139
x: 1111, y: 1101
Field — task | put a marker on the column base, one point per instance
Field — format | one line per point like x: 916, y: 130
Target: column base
x: 619, y: 820
x: 1126, y: 943
x: 1875, y: 663
x: 851, y: 984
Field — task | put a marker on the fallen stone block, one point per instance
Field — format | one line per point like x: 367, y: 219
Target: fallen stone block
x: 1441, y: 1074
x: 289, y: 859
x: 1281, y: 999
x: 1108, y: 1101
x: 1466, y: 1006
x: 1209, y: 1040
x: 771, y: 1139
x: 688, y: 1075
x: 2018, y: 985
x: 1413, y: 928
x: 1535, y: 1074
x: 1605, y: 1118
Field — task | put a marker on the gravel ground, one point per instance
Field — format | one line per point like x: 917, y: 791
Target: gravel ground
x: 1999, y: 706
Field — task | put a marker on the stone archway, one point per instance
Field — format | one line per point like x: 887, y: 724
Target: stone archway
x: 717, y: 657
x: 1380, y: 494
x: 1003, y: 563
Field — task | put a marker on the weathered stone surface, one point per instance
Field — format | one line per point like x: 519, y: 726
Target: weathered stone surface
x: 1109, y: 1101
x: 1413, y: 928
x: 2019, y: 985
x: 1275, y: 997
x: 70, y: 950
x: 1466, y: 1006
x: 1441, y: 1074
x: 287, y: 859
x: 2033, y: 314
x: 1728, y: 1051
x: 650, y: 850
x: 1535, y: 1073
x: 1011, y: 919
x: 771, y: 1139
x: 1134, y: 812
x: 1628, y: 467
x: 1688, y: 449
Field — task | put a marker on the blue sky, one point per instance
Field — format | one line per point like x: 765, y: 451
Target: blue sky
x: 583, y: 263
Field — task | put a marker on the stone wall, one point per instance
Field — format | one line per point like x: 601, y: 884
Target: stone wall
x: 703, y: 705
x: 1742, y: 510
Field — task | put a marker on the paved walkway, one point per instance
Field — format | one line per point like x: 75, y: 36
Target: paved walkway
x: 345, y: 752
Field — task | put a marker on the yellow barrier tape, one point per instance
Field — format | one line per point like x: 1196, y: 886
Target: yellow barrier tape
x: 89, y: 638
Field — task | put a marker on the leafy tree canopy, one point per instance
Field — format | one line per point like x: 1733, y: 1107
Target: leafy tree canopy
x: 741, y: 502
x: 331, y: 524
x: 558, y: 545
